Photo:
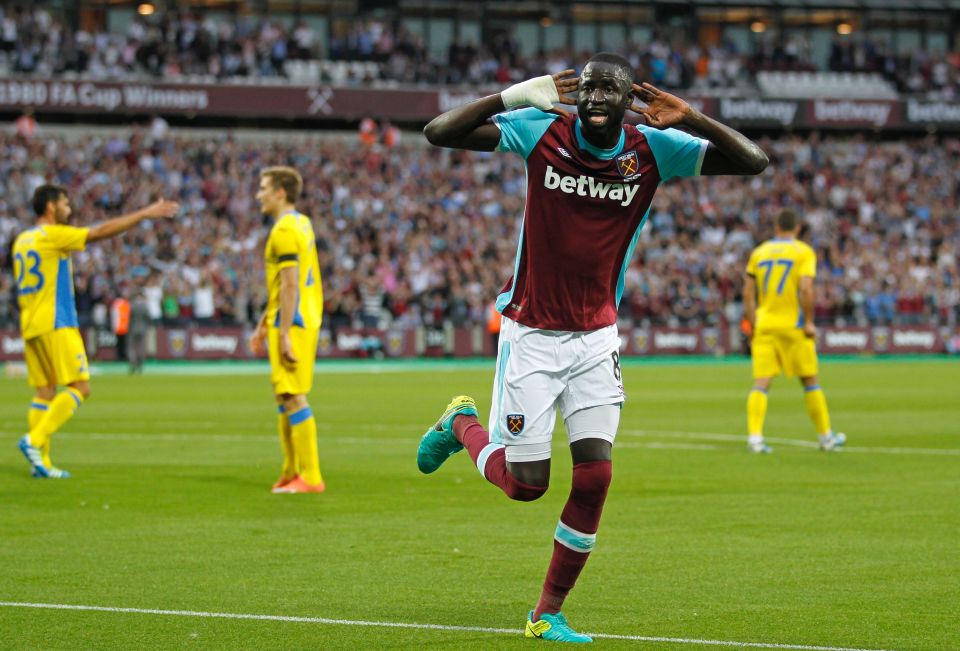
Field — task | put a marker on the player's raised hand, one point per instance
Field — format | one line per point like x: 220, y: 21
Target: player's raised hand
x: 662, y: 109
x: 162, y: 209
x: 541, y: 92
x: 566, y: 82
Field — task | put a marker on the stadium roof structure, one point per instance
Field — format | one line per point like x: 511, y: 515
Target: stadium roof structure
x: 372, y: 5
x: 896, y: 5
x: 914, y: 5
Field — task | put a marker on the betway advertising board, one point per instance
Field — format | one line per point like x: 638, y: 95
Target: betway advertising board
x: 325, y: 102
x: 233, y: 343
x: 211, y: 343
x: 883, y: 339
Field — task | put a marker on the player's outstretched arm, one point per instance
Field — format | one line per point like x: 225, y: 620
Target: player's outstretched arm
x: 730, y: 152
x: 117, y: 225
x: 468, y: 126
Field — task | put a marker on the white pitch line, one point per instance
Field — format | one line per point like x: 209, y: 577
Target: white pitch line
x: 410, y: 625
x: 712, y: 436
x: 694, y: 436
x: 357, y: 440
x: 667, y: 446
x: 716, y: 436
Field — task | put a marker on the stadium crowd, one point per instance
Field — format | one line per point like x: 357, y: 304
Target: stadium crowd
x: 188, y: 42
x: 412, y: 235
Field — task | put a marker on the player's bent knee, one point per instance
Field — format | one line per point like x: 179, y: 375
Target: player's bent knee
x: 591, y: 480
x: 83, y: 388
x: 521, y: 492
x: 294, y: 402
x: 526, y: 493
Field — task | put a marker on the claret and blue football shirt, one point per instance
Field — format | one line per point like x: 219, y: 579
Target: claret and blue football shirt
x: 584, y: 211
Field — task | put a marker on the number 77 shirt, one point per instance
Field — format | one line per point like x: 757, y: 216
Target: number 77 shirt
x: 44, y: 275
x: 777, y: 266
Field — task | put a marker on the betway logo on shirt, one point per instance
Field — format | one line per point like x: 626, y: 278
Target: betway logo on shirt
x: 587, y: 186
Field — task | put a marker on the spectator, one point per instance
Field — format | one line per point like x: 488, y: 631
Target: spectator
x: 139, y: 328
x: 26, y: 125
x: 153, y: 297
x: 204, y: 304
x: 120, y: 323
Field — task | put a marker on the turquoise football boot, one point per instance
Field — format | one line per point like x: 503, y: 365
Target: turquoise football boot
x: 439, y: 442
x: 554, y: 628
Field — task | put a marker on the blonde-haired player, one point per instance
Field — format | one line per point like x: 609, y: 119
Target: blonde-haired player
x: 778, y: 303
x: 53, y: 347
x: 290, y: 326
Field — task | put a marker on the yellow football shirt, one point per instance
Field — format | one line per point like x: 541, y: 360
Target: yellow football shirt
x: 777, y: 265
x: 44, y: 276
x: 292, y: 243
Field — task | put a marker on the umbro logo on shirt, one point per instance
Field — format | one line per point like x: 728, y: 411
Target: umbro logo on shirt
x: 564, y: 152
x: 587, y: 186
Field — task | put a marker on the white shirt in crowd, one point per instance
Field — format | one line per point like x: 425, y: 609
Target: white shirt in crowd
x: 203, y: 305
x: 154, y: 296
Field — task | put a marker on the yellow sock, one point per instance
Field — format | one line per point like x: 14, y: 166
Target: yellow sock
x: 756, y: 412
x: 38, y: 409
x: 304, y: 429
x: 61, y: 409
x: 289, y: 469
x: 817, y: 408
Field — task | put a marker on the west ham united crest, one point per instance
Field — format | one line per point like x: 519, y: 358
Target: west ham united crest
x: 628, y: 165
x: 515, y: 423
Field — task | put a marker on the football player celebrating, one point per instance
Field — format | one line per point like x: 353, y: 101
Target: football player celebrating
x: 590, y: 181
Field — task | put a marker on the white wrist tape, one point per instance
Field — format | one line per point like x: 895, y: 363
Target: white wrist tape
x: 540, y: 92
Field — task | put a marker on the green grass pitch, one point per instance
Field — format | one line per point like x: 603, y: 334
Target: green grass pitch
x: 170, y: 509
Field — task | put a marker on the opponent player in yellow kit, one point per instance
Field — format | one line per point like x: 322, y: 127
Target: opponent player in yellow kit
x: 778, y: 303
x: 53, y: 348
x: 290, y: 326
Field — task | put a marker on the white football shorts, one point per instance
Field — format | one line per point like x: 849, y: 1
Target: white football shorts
x: 540, y: 370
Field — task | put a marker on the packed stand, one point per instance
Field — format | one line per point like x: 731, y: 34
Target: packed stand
x: 182, y: 42
x: 667, y: 60
x: 188, y: 42
x: 167, y: 45
x: 417, y: 236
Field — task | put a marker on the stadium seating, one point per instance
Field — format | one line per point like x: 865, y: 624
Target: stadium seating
x: 804, y: 85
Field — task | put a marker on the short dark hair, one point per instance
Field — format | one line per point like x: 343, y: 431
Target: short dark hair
x: 620, y: 62
x: 44, y: 195
x: 787, y: 220
x: 286, y: 178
